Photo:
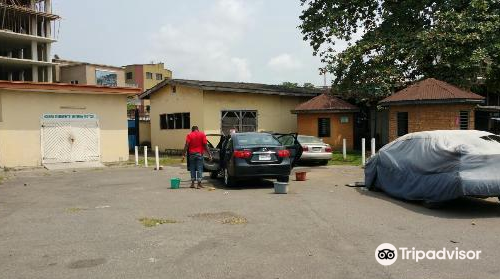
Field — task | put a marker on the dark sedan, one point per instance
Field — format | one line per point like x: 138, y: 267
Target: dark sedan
x: 253, y: 155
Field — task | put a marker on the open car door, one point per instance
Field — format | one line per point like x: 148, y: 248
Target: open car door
x: 215, y: 142
x: 292, y: 144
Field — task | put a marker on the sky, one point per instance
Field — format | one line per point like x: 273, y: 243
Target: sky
x: 219, y: 40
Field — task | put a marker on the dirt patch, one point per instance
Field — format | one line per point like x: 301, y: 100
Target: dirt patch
x: 225, y: 217
x: 86, y: 263
x: 153, y: 222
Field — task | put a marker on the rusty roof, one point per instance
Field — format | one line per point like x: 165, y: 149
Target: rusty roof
x: 325, y: 103
x: 236, y: 87
x: 430, y: 91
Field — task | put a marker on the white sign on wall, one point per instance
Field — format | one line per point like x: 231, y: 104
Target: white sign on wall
x: 69, y: 117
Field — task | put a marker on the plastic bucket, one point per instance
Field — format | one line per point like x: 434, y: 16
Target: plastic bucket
x: 175, y: 183
x: 280, y: 187
x: 300, y: 176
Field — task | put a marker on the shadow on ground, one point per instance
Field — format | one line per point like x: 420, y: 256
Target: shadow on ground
x: 241, y: 185
x: 463, y: 208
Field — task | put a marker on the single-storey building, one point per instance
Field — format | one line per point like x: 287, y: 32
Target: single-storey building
x: 328, y: 118
x: 47, y: 123
x: 430, y: 105
x: 217, y: 107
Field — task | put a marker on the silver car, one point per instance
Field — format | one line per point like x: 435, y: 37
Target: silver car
x: 314, y: 149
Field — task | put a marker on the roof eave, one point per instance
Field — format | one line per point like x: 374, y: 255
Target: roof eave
x: 431, y: 102
x: 317, y: 111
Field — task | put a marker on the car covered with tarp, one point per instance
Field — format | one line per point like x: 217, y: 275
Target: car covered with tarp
x: 437, y: 166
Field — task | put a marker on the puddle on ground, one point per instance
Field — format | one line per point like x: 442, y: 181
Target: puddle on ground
x: 86, y: 263
x: 225, y: 217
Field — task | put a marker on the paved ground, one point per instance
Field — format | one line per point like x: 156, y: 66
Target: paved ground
x: 85, y: 224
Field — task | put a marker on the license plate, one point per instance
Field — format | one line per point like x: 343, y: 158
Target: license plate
x: 317, y: 149
x: 265, y: 157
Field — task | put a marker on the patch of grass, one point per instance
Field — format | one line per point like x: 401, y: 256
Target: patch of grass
x: 353, y: 159
x: 153, y: 222
x: 75, y: 209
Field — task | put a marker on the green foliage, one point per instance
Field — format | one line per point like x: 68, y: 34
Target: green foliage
x: 308, y: 85
x: 288, y: 84
x: 453, y: 40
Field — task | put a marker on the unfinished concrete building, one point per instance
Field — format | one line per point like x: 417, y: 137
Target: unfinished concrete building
x: 25, y: 40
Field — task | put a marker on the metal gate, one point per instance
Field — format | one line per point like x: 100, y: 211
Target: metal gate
x: 70, y: 141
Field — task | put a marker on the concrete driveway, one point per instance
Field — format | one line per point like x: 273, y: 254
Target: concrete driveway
x: 85, y: 224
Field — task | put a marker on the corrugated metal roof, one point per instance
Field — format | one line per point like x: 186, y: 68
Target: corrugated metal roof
x: 240, y: 87
x: 325, y: 103
x: 432, y: 90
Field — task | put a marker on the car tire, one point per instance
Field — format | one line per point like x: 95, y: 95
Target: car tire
x: 324, y: 162
x: 214, y: 174
x: 228, y: 180
x: 283, y: 179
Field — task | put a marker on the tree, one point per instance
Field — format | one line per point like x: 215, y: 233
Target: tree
x: 457, y: 41
x: 288, y: 84
x: 308, y: 85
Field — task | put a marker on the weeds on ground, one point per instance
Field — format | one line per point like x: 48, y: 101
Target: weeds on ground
x: 352, y: 159
x: 75, y: 209
x: 153, y: 222
x: 164, y: 161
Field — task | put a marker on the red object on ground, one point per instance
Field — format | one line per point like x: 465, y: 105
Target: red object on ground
x: 300, y: 176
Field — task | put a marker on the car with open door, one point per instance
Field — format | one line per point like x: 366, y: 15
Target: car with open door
x: 254, y: 155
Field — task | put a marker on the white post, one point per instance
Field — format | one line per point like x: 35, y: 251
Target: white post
x: 146, y: 156
x: 137, y: 155
x: 373, y: 147
x: 157, y: 155
x: 363, y: 151
x: 344, y: 149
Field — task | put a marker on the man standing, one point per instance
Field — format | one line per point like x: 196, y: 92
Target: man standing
x: 196, y: 144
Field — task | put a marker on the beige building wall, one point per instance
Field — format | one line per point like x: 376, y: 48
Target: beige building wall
x: 144, y: 131
x: 155, y: 69
x: 20, y: 123
x: 205, y: 108
x: 67, y: 74
x: 85, y: 74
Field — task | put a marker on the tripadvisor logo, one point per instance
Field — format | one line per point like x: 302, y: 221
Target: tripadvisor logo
x: 387, y: 254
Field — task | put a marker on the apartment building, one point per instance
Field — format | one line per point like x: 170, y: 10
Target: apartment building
x: 26, y: 35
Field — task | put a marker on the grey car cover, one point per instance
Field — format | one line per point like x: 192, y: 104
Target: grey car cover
x: 437, y: 166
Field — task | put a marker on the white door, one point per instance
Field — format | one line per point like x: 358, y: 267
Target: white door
x: 70, y: 141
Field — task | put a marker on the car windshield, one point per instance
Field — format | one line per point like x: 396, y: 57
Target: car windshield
x: 309, y: 139
x: 256, y: 139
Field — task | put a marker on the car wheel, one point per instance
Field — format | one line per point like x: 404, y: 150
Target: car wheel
x: 214, y: 174
x: 283, y: 179
x: 324, y: 162
x: 228, y: 180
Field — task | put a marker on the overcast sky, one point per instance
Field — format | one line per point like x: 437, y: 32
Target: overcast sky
x: 222, y: 40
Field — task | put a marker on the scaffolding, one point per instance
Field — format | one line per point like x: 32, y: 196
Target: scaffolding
x: 25, y: 39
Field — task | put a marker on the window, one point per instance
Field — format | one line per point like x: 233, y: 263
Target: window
x: 159, y: 76
x: 241, y: 120
x: 163, y: 122
x: 174, y: 89
x: 175, y: 121
x: 402, y: 123
x: 344, y: 119
x: 130, y: 75
x: 74, y: 82
x: 324, y: 127
x: 149, y: 75
x: 464, y: 120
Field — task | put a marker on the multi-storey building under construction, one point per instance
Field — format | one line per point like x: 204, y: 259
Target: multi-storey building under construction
x: 25, y: 40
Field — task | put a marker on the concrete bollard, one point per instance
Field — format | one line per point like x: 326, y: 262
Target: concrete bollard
x: 146, y: 156
x: 157, y: 155
x: 137, y: 155
x: 344, y: 149
x: 363, y: 152
x: 373, y: 147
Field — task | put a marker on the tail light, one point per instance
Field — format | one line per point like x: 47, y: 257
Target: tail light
x: 243, y: 154
x: 283, y: 153
x: 305, y: 148
x: 328, y: 149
